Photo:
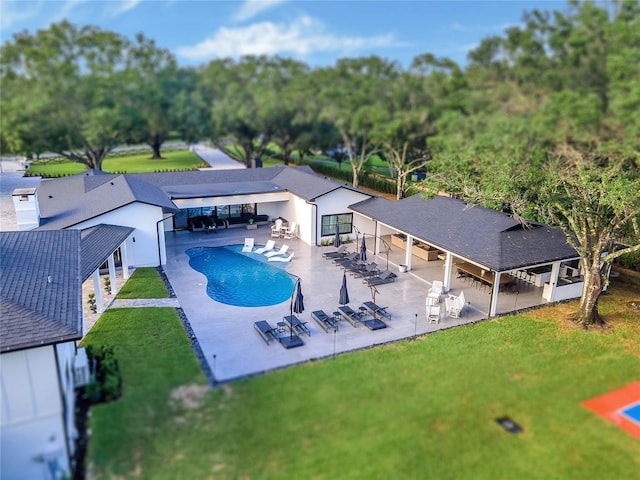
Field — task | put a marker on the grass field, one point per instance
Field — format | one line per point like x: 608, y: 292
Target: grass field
x: 144, y: 283
x: 413, y: 409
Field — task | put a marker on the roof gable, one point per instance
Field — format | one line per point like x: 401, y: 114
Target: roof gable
x: 40, y: 288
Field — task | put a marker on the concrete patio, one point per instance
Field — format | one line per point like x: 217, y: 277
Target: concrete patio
x: 234, y: 349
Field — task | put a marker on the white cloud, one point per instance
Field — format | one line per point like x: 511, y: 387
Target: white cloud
x: 301, y: 37
x: 67, y: 8
x: 252, y: 8
x: 124, y: 6
x: 12, y: 13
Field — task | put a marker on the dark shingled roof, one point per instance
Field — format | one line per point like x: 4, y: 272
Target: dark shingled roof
x: 98, y: 243
x: 487, y: 237
x: 35, y: 311
x: 68, y: 201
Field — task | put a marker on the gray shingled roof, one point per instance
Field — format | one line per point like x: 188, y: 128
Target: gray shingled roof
x: 35, y: 311
x: 485, y: 236
x: 97, y: 243
x: 67, y: 201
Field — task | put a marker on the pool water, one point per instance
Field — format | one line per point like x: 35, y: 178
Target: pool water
x: 237, y: 279
x: 632, y: 412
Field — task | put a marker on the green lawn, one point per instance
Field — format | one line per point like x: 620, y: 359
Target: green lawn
x: 413, y: 409
x: 55, y: 168
x: 144, y: 283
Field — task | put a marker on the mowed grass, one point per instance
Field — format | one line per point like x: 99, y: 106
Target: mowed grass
x: 143, y: 163
x: 413, y: 409
x: 56, y: 169
x: 144, y: 283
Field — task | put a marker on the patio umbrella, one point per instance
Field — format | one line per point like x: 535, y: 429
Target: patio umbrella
x: 344, y: 294
x: 363, y: 250
x: 336, y: 241
x: 298, y: 303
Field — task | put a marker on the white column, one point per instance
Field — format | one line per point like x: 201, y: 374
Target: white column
x: 378, y: 241
x: 112, y: 274
x: 448, y: 267
x: 407, y: 253
x: 97, y: 289
x: 161, y: 244
x: 494, y: 294
x: 125, y: 261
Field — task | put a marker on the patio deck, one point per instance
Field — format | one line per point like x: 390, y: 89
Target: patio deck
x: 227, y: 332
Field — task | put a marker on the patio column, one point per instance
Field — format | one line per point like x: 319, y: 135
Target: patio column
x: 111, y: 262
x: 494, y: 294
x: 407, y: 253
x: 377, y: 242
x: 125, y: 261
x: 97, y: 290
x: 549, y: 291
x: 448, y: 266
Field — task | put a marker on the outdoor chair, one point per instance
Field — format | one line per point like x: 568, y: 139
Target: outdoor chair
x: 325, y: 321
x: 266, y: 331
x: 267, y: 247
x: 376, y: 310
x: 383, y: 277
x: 280, y: 259
x: 281, y: 251
x: 437, y: 287
x: 295, y: 323
x: 276, y: 228
x: 248, y: 244
x: 291, y: 230
x: 350, y: 315
x: 340, y: 252
x: 454, y: 305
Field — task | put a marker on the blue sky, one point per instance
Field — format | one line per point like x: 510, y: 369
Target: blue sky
x: 316, y: 32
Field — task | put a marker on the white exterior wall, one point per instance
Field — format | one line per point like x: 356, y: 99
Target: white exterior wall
x: 335, y: 203
x: 27, y: 211
x: 298, y: 210
x: 142, y: 245
x: 33, y: 411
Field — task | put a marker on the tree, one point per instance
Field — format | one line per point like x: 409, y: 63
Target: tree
x: 62, y: 92
x: 593, y: 205
x: 351, y: 94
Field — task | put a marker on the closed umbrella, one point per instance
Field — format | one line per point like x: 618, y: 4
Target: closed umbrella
x: 344, y: 294
x: 298, y: 300
x: 363, y: 250
x: 336, y: 241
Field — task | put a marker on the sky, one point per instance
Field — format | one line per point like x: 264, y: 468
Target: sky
x: 315, y: 32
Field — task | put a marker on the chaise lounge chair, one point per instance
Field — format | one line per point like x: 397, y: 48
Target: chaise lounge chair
x: 377, y: 311
x: 295, y: 323
x: 384, y: 277
x: 248, y: 244
x: 280, y: 259
x: 340, y: 252
x: 266, y: 331
x: 346, y: 260
x: 283, y: 249
x: 350, y: 315
x: 325, y: 321
x: 267, y: 248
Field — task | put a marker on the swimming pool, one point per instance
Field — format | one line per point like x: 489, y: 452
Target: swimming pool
x: 234, y: 278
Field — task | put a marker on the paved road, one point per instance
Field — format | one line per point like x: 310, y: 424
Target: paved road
x: 216, y: 158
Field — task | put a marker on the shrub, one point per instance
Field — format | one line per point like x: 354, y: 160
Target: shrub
x: 106, y: 381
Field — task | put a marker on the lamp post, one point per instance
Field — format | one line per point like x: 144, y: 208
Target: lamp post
x: 415, y: 328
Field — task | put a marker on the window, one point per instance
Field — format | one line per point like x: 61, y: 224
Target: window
x: 329, y: 222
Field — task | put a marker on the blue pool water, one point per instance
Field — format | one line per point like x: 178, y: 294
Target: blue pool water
x: 632, y: 412
x: 234, y: 278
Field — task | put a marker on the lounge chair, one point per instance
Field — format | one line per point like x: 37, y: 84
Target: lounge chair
x: 346, y: 260
x: 283, y: 249
x: 350, y: 315
x: 376, y: 310
x: 280, y: 259
x: 248, y: 244
x: 325, y: 321
x: 340, y: 252
x: 266, y: 331
x: 454, y: 305
x: 383, y: 277
x: 364, y: 270
x: 295, y: 323
x: 267, y: 248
